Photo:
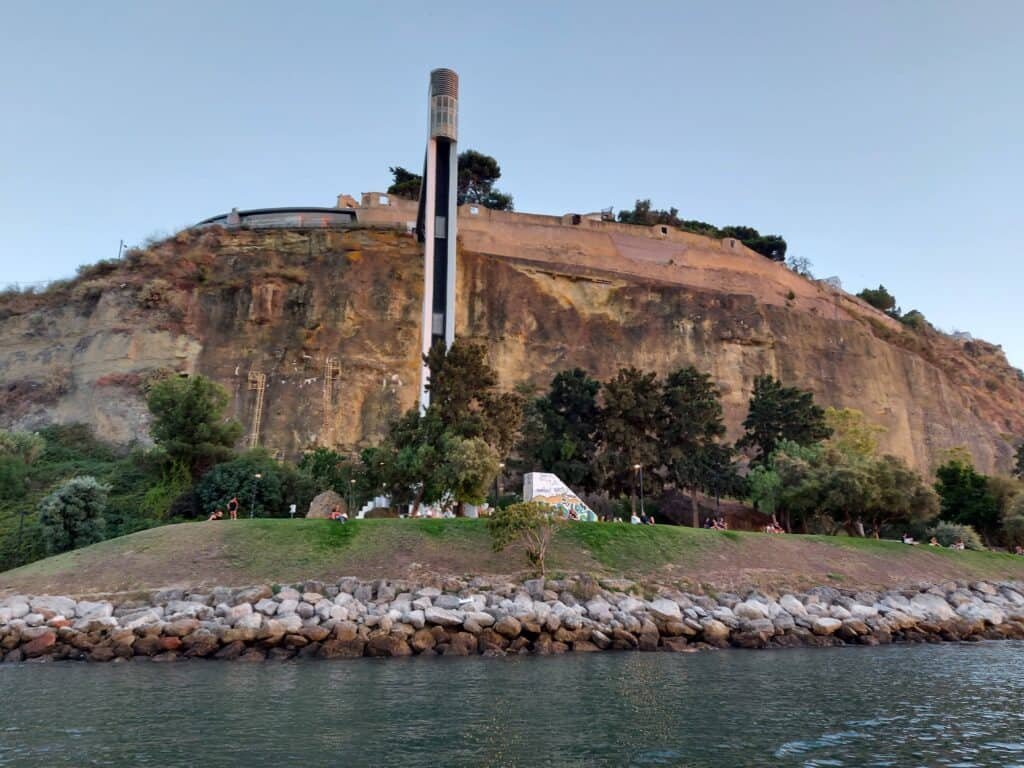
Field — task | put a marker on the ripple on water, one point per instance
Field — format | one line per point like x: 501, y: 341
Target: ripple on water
x: 949, y: 706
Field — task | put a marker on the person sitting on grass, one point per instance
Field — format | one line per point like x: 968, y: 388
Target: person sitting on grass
x: 958, y: 545
x: 1018, y: 550
x: 933, y: 542
x: 217, y: 515
x: 650, y: 519
x: 908, y: 539
x: 634, y: 519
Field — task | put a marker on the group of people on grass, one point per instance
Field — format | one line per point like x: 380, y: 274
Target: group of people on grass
x: 958, y: 544
x: 716, y: 524
x: 218, y: 514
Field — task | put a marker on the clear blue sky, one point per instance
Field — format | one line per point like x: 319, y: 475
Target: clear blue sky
x: 884, y: 140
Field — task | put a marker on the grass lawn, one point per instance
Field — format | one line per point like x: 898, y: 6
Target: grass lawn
x: 236, y: 553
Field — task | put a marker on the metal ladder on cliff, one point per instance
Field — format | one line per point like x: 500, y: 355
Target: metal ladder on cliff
x: 257, y: 382
x: 332, y: 370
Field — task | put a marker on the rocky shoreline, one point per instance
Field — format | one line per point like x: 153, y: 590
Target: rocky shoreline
x: 463, y: 617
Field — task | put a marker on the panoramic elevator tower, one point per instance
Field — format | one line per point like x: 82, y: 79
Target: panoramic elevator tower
x: 435, y: 222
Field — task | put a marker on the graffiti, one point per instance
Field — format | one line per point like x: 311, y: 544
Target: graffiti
x: 549, y: 489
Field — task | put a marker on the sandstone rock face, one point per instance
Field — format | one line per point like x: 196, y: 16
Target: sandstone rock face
x: 544, y: 297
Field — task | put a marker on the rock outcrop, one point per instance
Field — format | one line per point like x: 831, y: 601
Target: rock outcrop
x: 331, y: 318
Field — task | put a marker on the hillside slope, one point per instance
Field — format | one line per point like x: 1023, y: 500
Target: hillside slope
x: 286, y: 551
x: 544, y: 298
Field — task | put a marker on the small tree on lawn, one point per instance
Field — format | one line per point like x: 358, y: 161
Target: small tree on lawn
x: 532, y: 524
x: 72, y: 516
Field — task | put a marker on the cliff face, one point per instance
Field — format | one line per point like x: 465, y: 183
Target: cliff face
x: 331, y: 320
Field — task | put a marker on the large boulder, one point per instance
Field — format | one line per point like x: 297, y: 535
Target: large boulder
x: 323, y: 503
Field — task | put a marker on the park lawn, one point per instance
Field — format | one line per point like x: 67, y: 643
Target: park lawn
x: 235, y: 553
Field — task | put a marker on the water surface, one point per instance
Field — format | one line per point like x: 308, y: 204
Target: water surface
x: 951, y: 705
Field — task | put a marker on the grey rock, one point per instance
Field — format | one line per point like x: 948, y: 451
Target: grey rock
x: 443, y: 617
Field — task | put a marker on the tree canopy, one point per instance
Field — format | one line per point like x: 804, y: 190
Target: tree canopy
x: 72, y: 515
x: 1018, y: 465
x: 880, y: 298
x: 477, y: 176
x: 189, y: 424
x: 780, y: 413
x: 966, y: 498
x: 628, y: 429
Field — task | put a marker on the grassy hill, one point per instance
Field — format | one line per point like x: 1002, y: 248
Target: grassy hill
x: 235, y: 553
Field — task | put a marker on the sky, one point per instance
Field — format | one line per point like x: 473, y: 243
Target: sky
x: 883, y: 140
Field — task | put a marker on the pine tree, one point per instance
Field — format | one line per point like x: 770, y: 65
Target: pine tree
x: 780, y: 413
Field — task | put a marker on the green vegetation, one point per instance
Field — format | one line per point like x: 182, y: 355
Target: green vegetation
x: 881, y: 299
x: 477, y: 175
x: 72, y: 516
x: 189, y: 424
x: 770, y: 246
x: 779, y: 413
x: 1018, y: 464
x: 532, y: 524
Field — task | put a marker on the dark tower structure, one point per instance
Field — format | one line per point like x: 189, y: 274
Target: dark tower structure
x: 435, y: 222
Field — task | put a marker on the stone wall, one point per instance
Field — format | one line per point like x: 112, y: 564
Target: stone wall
x: 461, y: 617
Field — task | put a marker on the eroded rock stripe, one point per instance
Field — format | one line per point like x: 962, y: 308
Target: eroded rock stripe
x: 352, y: 619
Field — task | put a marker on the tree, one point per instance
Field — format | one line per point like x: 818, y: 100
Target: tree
x: 464, y: 394
x: 1018, y: 467
x: 691, y: 423
x: 770, y: 246
x: 72, y: 516
x: 405, y: 184
x: 801, y: 265
x: 1013, y: 522
x: 18, y: 451
x: 328, y: 470
x: 562, y: 430
x: 628, y: 430
x: 477, y: 174
x: 780, y: 413
x: 965, y: 497
x: 852, y: 433
x: 188, y: 422
x: 262, y: 496
x: 533, y: 524
x: 899, y: 496
x: 469, y: 467
x: 879, y: 298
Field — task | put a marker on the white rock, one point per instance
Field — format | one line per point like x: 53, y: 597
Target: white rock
x: 931, y: 607
x: 984, y: 611
x: 287, y: 593
x: 250, y: 621
x: 267, y: 607
x: 287, y: 606
x: 838, y: 612
x: 236, y: 612
x: 33, y: 619
x: 422, y: 603
x: 630, y: 604
x: 343, y: 598
x: 414, y: 618
x: 339, y: 613
x: 290, y: 623
x: 140, y: 619
x: 428, y: 592
x: 825, y: 626
x: 443, y: 617
x: 90, y: 610
x: 665, y: 609
x: 791, y: 604
x: 862, y: 612
x: 481, y: 618
x: 750, y: 610
x: 65, y: 606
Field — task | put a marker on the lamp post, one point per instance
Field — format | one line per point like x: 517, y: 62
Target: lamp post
x: 497, y: 483
x: 255, y: 485
x: 351, y: 497
x: 640, y: 469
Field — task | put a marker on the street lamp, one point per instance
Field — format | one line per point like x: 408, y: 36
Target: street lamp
x: 497, y: 483
x: 639, y: 467
x: 351, y: 496
x: 252, y: 507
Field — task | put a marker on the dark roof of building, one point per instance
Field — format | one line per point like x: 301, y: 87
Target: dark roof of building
x: 270, y: 211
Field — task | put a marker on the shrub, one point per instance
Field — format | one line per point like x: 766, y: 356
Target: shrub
x: 264, y: 496
x: 532, y: 524
x: 948, y: 533
x: 72, y: 516
x: 1013, y: 530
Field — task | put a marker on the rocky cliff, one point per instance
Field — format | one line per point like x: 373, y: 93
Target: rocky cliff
x: 324, y: 324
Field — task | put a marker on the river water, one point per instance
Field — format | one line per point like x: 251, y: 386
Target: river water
x: 941, y: 705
